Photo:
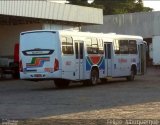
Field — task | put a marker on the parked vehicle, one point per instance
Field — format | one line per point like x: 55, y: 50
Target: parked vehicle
x: 9, y: 65
x: 80, y: 56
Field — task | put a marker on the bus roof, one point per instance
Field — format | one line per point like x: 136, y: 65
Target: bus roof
x: 88, y: 34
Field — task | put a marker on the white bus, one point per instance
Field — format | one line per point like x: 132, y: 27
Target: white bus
x: 66, y: 56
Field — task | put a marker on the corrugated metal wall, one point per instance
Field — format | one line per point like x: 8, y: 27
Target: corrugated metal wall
x: 50, y: 10
x: 146, y: 24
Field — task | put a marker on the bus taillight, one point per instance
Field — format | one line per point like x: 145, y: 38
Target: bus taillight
x: 56, y: 65
x: 20, y: 66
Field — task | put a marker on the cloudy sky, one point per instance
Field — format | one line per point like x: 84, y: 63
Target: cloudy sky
x: 155, y: 4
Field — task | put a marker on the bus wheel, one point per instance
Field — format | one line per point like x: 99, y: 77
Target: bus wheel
x: 132, y: 75
x: 61, y: 84
x: 94, y: 77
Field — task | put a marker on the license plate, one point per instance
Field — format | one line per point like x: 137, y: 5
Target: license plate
x: 37, y: 75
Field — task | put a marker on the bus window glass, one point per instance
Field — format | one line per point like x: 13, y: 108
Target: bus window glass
x: 100, y: 45
x: 81, y: 50
x: 132, y: 47
x: 94, y: 46
x: 123, y: 44
x: 67, y: 45
x: 89, y: 46
x: 116, y: 47
x: 76, y: 50
x: 94, y: 49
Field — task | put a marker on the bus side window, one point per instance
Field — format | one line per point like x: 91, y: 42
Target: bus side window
x: 76, y: 50
x: 67, y: 45
x: 123, y: 44
x: 109, y: 50
x: 94, y: 46
x: 89, y: 45
x: 116, y: 47
x: 100, y: 45
x: 132, y: 47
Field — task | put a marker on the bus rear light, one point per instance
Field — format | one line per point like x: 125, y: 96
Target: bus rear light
x: 56, y: 65
x: 20, y: 66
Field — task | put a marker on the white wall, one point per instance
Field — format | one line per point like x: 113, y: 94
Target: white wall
x: 156, y: 50
x: 9, y: 35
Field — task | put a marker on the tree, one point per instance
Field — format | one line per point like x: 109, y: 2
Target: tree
x: 111, y: 7
x: 79, y: 2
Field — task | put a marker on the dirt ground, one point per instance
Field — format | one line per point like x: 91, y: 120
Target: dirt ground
x: 117, y: 99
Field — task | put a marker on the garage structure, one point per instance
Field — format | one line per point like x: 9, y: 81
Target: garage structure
x: 145, y: 24
x: 18, y: 16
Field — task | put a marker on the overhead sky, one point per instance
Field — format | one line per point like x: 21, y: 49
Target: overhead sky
x: 155, y: 4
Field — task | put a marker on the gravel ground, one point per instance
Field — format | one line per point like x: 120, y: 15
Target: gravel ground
x: 117, y: 99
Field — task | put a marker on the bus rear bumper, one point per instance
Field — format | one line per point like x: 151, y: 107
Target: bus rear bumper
x: 42, y: 76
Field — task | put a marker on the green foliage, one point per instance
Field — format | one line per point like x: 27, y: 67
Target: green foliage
x: 111, y: 7
x: 79, y: 2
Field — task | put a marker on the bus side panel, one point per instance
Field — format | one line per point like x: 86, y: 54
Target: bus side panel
x: 95, y: 60
x: 68, y: 67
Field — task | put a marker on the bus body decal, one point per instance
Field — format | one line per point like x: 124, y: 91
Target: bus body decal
x: 95, y: 60
x: 37, y: 62
x: 122, y: 60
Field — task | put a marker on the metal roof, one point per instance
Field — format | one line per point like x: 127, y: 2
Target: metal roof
x: 51, y: 11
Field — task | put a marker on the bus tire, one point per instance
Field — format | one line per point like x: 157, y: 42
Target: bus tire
x: 94, y: 77
x: 132, y: 75
x: 61, y: 84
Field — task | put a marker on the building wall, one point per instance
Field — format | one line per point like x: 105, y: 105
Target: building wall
x: 145, y: 24
x: 9, y: 35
